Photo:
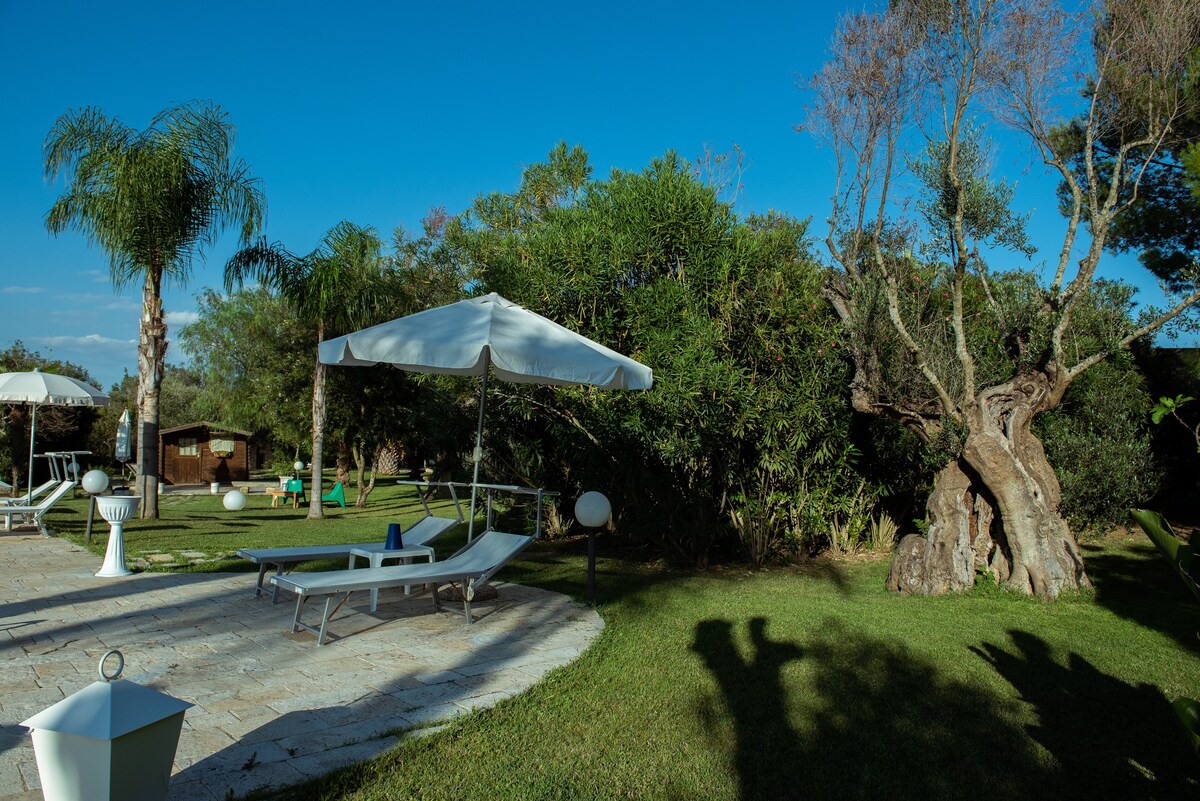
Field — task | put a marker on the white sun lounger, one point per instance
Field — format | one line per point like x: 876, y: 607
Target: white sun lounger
x: 471, y: 567
x: 37, y: 511
x: 421, y: 533
x: 27, y: 499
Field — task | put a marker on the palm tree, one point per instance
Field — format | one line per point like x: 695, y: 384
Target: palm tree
x: 338, y: 287
x: 150, y: 199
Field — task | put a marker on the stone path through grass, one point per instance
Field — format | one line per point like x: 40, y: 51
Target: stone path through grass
x: 271, y: 707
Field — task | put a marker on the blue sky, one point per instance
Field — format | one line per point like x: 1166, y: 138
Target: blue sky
x: 376, y: 112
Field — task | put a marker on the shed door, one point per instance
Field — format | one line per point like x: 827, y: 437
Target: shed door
x: 187, y: 462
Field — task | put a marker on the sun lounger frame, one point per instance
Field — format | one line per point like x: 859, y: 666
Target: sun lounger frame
x: 38, y: 511
x: 284, y: 558
x: 27, y: 498
x: 338, y: 585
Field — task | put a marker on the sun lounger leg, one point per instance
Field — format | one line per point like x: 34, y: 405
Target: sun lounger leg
x: 275, y: 589
x: 296, y: 624
x: 325, y: 619
x: 262, y: 572
x: 437, y: 606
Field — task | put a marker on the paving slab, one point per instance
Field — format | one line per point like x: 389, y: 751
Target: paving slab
x: 271, y: 707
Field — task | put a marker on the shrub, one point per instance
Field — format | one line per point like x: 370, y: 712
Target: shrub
x: 1099, y: 443
x: 750, y: 401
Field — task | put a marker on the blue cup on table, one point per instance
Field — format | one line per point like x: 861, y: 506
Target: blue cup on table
x: 395, y: 537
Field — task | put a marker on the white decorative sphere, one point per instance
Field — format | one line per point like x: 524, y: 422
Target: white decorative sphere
x: 95, y: 481
x: 234, y: 501
x: 592, y: 509
x: 298, y: 466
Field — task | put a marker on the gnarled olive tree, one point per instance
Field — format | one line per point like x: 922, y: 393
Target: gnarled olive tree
x: 902, y: 103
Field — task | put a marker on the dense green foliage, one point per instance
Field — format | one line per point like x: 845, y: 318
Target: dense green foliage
x: 255, y: 359
x: 334, y: 289
x: 746, y: 446
x: 1099, y: 444
x: 743, y: 440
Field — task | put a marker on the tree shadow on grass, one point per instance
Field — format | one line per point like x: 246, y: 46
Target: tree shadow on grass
x: 880, y: 723
x: 1137, y: 584
x: 1112, y: 739
x: 883, y: 722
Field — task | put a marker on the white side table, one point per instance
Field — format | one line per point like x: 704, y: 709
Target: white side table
x: 375, y: 554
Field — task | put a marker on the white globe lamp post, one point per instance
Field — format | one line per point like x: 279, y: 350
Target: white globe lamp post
x: 593, y: 511
x: 94, y: 483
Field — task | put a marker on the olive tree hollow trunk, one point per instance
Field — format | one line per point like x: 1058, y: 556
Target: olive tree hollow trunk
x: 994, y: 509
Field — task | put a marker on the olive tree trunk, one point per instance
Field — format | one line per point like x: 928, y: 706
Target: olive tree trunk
x: 360, y: 469
x: 995, y: 508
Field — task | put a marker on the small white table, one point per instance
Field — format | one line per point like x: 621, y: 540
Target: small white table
x: 375, y: 554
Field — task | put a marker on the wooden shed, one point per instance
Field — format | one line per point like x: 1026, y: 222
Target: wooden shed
x: 201, y: 453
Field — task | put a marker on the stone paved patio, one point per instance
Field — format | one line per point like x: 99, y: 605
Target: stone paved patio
x: 264, y: 698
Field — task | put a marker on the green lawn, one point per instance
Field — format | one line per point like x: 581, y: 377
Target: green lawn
x: 810, y: 683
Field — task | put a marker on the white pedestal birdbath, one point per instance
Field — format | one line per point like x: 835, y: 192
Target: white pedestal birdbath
x: 116, y: 509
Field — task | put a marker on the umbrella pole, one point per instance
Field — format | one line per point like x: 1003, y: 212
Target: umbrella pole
x: 29, y: 478
x: 477, y: 456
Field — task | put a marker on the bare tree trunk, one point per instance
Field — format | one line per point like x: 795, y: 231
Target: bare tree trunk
x: 343, y: 462
x: 152, y: 346
x: 944, y: 560
x: 360, y: 466
x: 1043, y: 558
x: 995, y: 508
x: 318, y: 414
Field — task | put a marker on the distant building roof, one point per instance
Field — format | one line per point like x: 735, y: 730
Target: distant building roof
x: 205, y: 424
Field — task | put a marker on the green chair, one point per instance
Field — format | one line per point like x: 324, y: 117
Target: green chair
x: 337, y: 495
x: 295, y: 488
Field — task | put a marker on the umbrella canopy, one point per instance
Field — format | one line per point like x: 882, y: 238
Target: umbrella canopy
x: 471, y: 336
x: 467, y: 337
x: 123, y: 450
x: 50, y: 389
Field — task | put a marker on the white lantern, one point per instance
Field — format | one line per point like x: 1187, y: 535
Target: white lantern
x: 95, y: 481
x: 111, y: 740
x: 592, y: 510
x: 234, y: 501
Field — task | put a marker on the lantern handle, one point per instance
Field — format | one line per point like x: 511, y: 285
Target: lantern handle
x: 120, y: 665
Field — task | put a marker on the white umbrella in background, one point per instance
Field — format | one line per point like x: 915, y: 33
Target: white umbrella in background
x: 46, y: 389
x: 471, y: 336
x: 123, y: 450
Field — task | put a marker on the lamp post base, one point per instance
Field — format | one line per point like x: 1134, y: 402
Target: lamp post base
x: 114, y: 556
x: 116, y: 510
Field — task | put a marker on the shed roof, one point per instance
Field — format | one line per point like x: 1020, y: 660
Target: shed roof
x: 205, y: 424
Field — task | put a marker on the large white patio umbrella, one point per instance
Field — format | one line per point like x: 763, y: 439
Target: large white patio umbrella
x: 46, y: 389
x: 472, y: 336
